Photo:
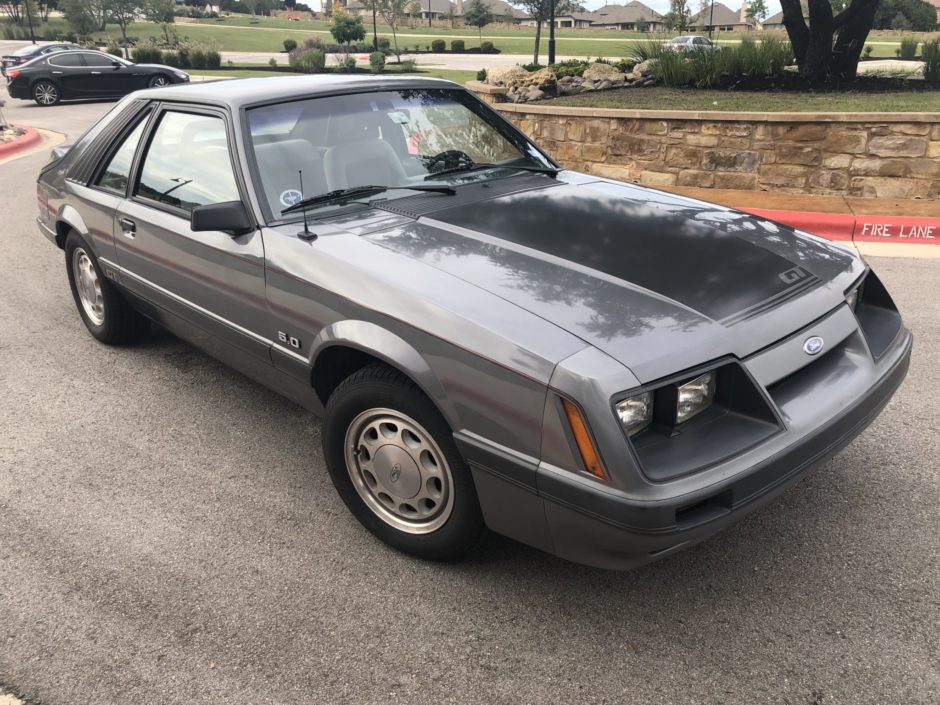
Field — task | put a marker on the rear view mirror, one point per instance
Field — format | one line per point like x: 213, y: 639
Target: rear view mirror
x: 231, y: 217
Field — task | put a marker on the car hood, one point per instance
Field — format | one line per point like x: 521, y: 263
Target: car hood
x: 657, y: 281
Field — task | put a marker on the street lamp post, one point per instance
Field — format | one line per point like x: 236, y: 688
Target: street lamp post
x: 711, y: 20
x: 375, y: 29
x: 551, y: 33
x: 429, y: 13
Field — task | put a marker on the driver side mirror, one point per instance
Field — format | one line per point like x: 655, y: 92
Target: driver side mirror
x: 231, y: 217
x: 116, y: 64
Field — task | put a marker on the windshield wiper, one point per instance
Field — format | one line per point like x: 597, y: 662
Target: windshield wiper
x: 473, y: 166
x: 348, y: 194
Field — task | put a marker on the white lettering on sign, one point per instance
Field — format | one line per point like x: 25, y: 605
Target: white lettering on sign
x: 924, y: 232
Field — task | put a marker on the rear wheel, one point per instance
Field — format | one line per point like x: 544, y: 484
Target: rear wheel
x: 158, y: 81
x: 46, y: 93
x: 392, y: 458
x: 106, y: 313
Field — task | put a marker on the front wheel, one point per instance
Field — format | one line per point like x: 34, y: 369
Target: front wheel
x: 158, y: 81
x: 46, y: 93
x: 392, y: 458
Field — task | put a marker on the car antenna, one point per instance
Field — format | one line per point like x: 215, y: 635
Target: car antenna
x: 306, y: 233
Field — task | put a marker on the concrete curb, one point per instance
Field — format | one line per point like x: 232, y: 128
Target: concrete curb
x: 28, y: 140
x: 896, y: 230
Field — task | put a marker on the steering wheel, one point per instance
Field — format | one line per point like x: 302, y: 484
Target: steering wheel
x: 448, y: 159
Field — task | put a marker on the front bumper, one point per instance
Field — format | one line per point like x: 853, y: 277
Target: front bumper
x: 588, y: 523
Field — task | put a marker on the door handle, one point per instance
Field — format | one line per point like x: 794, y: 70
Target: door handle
x: 96, y: 73
x: 128, y: 227
x: 57, y: 72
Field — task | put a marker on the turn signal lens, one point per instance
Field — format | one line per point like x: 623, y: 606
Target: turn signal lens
x: 695, y: 396
x: 592, y: 461
x: 13, y: 74
x: 635, y: 413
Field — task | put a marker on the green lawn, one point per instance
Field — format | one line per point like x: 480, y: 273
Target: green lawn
x: 250, y: 71
x: 693, y: 99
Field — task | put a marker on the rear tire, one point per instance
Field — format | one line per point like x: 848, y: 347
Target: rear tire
x: 106, y: 314
x: 158, y: 81
x: 46, y: 93
x: 393, y: 460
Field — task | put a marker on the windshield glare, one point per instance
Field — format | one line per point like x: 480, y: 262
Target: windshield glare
x: 388, y: 138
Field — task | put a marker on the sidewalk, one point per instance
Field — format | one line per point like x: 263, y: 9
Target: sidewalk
x: 874, y: 225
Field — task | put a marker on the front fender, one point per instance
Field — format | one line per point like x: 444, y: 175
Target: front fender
x: 391, y: 349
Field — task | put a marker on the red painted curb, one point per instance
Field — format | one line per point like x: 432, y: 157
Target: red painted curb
x: 859, y: 228
x: 29, y: 139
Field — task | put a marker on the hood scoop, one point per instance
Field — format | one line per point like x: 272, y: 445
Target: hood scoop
x: 467, y: 195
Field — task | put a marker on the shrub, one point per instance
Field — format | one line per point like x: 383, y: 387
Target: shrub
x: 572, y: 67
x: 457, y: 45
x: 625, y: 65
x: 481, y: 75
x: 408, y: 66
x: 146, y: 55
x: 384, y: 44
x: 213, y: 59
x: 931, y: 56
x: 115, y: 50
x: 197, y: 59
x: 908, y: 48
x: 184, y: 58
x: 290, y: 45
x: 377, y: 61
x: 488, y: 48
x: 172, y: 58
x: 272, y: 62
x: 308, y: 61
x: 867, y: 51
x: 438, y: 46
x: 533, y: 67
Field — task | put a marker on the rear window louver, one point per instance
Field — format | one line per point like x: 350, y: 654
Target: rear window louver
x: 84, y: 167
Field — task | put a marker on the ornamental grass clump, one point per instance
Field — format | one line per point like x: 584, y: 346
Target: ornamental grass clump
x: 931, y: 56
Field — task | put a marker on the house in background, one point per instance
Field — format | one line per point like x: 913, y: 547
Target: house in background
x: 632, y: 17
x: 774, y: 23
x: 502, y: 10
x: 721, y: 18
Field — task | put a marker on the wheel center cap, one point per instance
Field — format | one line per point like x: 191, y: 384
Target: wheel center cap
x: 397, y: 471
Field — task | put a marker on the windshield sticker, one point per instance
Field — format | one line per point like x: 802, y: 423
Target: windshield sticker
x: 290, y: 197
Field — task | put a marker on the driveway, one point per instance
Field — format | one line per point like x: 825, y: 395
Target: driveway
x: 168, y: 534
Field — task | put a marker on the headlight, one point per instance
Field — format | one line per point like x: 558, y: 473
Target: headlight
x: 636, y: 413
x: 180, y: 74
x: 695, y: 396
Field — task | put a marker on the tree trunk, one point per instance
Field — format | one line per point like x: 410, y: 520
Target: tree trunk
x: 538, y: 38
x: 850, y: 41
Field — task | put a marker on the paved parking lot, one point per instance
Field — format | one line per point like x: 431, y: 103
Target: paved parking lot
x: 168, y: 534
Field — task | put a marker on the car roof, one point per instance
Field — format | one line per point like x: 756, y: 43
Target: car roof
x: 237, y: 93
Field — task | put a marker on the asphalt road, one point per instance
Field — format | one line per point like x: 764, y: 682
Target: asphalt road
x: 168, y: 534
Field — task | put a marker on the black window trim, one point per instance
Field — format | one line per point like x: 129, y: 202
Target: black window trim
x: 194, y: 109
x: 144, y: 115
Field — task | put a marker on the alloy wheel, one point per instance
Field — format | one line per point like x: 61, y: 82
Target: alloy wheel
x: 88, y: 286
x: 46, y: 94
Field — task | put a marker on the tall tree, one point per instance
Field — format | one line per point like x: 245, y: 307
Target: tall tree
x: 160, y: 12
x: 252, y: 5
x: 393, y: 12
x: 123, y: 12
x: 540, y: 11
x: 757, y: 10
x: 828, y: 44
x: 478, y: 15
x: 679, y: 15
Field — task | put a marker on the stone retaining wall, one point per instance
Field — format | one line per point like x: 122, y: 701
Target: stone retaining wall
x: 885, y: 155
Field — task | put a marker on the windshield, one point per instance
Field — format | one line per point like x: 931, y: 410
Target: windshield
x: 386, y: 138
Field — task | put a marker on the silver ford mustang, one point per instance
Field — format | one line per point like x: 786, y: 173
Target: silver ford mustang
x: 606, y: 372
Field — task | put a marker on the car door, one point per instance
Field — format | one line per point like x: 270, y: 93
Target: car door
x: 214, y: 280
x: 104, y: 78
x: 68, y: 70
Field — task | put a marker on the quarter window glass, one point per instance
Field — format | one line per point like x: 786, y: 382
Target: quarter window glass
x: 116, y: 173
x: 65, y: 60
x: 188, y: 163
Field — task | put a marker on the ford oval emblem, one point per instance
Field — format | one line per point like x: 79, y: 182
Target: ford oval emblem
x: 814, y: 345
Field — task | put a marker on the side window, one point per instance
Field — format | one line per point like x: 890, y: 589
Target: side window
x: 187, y: 163
x: 65, y: 60
x: 116, y: 173
x: 97, y: 60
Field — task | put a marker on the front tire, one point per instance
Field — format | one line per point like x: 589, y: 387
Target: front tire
x: 158, y: 81
x: 46, y: 93
x: 393, y: 460
x: 106, y: 314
